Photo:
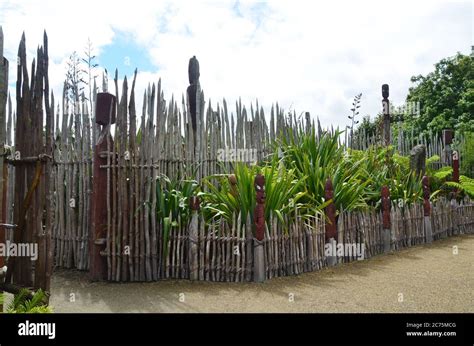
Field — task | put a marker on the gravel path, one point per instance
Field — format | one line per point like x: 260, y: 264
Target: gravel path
x: 430, y: 277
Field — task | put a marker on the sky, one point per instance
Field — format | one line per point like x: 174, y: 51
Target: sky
x: 309, y: 56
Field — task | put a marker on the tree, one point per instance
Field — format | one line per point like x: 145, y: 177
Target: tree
x: 443, y: 99
x: 446, y: 96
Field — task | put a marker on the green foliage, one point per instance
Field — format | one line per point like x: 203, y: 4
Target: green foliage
x: 21, y: 303
x: 465, y: 185
x: 222, y: 202
x: 382, y: 166
x: 317, y: 159
x: 443, y: 173
x: 466, y: 149
x: 283, y: 191
x: 446, y: 96
x: 446, y: 101
x: 172, y: 203
x: 295, y: 178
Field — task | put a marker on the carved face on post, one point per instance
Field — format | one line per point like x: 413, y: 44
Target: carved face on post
x: 232, y: 180
x: 194, y: 203
x: 385, y: 192
x: 385, y: 92
x: 426, y: 195
x: 233, y: 185
x: 426, y: 187
x: 105, y: 109
x: 259, y: 214
x: 456, y: 166
x: 259, y: 184
x: 330, y: 210
x: 328, y: 190
x: 193, y: 70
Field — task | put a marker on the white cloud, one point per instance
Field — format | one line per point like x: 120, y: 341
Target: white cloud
x: 312, y: 55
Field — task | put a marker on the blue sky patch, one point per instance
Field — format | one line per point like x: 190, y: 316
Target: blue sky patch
x: 126, y: 55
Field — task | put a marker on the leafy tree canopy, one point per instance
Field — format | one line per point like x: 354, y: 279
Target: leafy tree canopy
x: 446, y: 96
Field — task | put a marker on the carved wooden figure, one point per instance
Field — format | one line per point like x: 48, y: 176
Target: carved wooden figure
x: 427, y: 209
x: 386, y: 233
x: 193, y: 75
x: 233, y: 185
x: 426, y: 195
x: 386, y: 207
x: 331, y: 229
x: 259, y: 214
x: 455, y: 166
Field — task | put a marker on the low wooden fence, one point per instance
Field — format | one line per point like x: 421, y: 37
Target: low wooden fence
x: 224, y: 252
x: 447, y: 218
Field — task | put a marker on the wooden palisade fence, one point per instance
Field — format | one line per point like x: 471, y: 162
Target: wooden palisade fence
x: 160, y: 140
x: 27, y: 175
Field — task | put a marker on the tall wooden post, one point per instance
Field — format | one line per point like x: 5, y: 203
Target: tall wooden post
x: 331, y: 227
x: 30, y: 161
x: 194, y: 204
x: 427, y: 210
x: 193, y: 96
x: 3, y: 105
x: 386, y: 232
x: 259, y: 219
x: 105, y: 116
x: 447, y: 141
x: 386, y: 115
x: 44, y: 263
x: 455, y: 166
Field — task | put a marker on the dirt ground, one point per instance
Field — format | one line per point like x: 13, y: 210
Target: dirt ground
x: 427, y: 278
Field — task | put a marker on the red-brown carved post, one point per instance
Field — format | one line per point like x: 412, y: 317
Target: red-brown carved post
x: 260, y: 207
x: 386, y: 232
x: 195, y: 205
x: 426, y: 196
x: 330, y: 210
x: 105, y: 115
x: 259, y: 220
x: 455, y: 166
x: 427, y: 209
x: 233, y: 185
x: 331, y: 226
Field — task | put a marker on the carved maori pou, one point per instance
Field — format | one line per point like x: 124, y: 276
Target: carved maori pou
x: 233, y: 185
x: 259, y: 214
x: 194, y: 203
x: 331, y: 229
x: 426, y: 195
x: 105, y: 110
x: 193, y: 75
x: 418, y: 159
x: 455, y: 166
x: 193, y: 70
x: 385, y: 192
